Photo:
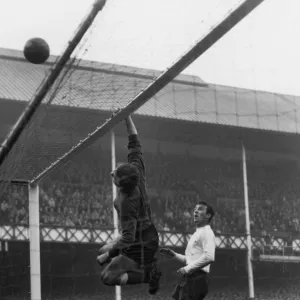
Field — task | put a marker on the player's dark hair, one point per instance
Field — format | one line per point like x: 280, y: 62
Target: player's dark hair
x: 128, y: 176
x: 209, y: 209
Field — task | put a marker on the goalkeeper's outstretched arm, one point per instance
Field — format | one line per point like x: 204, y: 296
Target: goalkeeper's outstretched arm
x: 131, y: 129
x: 135, y: 155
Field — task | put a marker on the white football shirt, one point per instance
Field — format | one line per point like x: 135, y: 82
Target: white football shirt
x: 200, y: 250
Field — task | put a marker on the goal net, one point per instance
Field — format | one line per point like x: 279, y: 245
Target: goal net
x: 100, y: 88
x: 66, y: 146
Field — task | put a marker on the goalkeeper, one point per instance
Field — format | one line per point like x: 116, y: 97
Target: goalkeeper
x: 131, y: 258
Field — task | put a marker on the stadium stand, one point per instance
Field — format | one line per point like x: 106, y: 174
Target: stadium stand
x: 84, y: 196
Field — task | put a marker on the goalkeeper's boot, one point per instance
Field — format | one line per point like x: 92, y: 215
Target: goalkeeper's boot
x: 154, y: 279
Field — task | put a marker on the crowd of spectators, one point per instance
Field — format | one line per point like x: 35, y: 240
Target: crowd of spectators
x: 81, y: 194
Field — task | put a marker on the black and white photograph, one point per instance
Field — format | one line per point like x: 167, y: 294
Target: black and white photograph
x: 149, y: 149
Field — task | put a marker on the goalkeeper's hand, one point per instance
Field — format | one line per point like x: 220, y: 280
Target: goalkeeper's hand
x: 115, y: 112
x: 102, y: 259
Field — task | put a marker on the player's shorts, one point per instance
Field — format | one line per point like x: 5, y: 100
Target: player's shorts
x: 193, y: 287
x: 143, y: 251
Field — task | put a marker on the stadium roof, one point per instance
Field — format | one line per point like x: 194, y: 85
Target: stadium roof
x: 106, y: 87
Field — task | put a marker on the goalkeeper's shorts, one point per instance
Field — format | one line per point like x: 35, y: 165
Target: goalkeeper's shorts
x: 143, y: 250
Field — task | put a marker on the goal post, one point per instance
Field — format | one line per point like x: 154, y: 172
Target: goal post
x: 114, y: 195
x: 34, y: 242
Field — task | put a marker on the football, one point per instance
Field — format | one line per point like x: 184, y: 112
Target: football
x: 36, y: 51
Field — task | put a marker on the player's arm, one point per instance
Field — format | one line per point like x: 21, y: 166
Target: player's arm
x: 135, y: 155
x: 128, y: 222
x: 131, y: 129
x: 208, y: 255
x: 180, y: 258
x: 173, y: 255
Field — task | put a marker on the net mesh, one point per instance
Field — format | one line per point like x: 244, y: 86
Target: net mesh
x: 94, y: 88
x: 79, y: 108
x: 76, y: 213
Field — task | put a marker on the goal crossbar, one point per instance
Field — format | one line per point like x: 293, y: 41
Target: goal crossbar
x: 159, y: 83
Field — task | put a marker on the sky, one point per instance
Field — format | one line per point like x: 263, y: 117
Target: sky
x: 261, y: 52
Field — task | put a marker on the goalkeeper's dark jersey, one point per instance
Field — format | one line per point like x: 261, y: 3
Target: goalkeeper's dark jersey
x: 134, y: 212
